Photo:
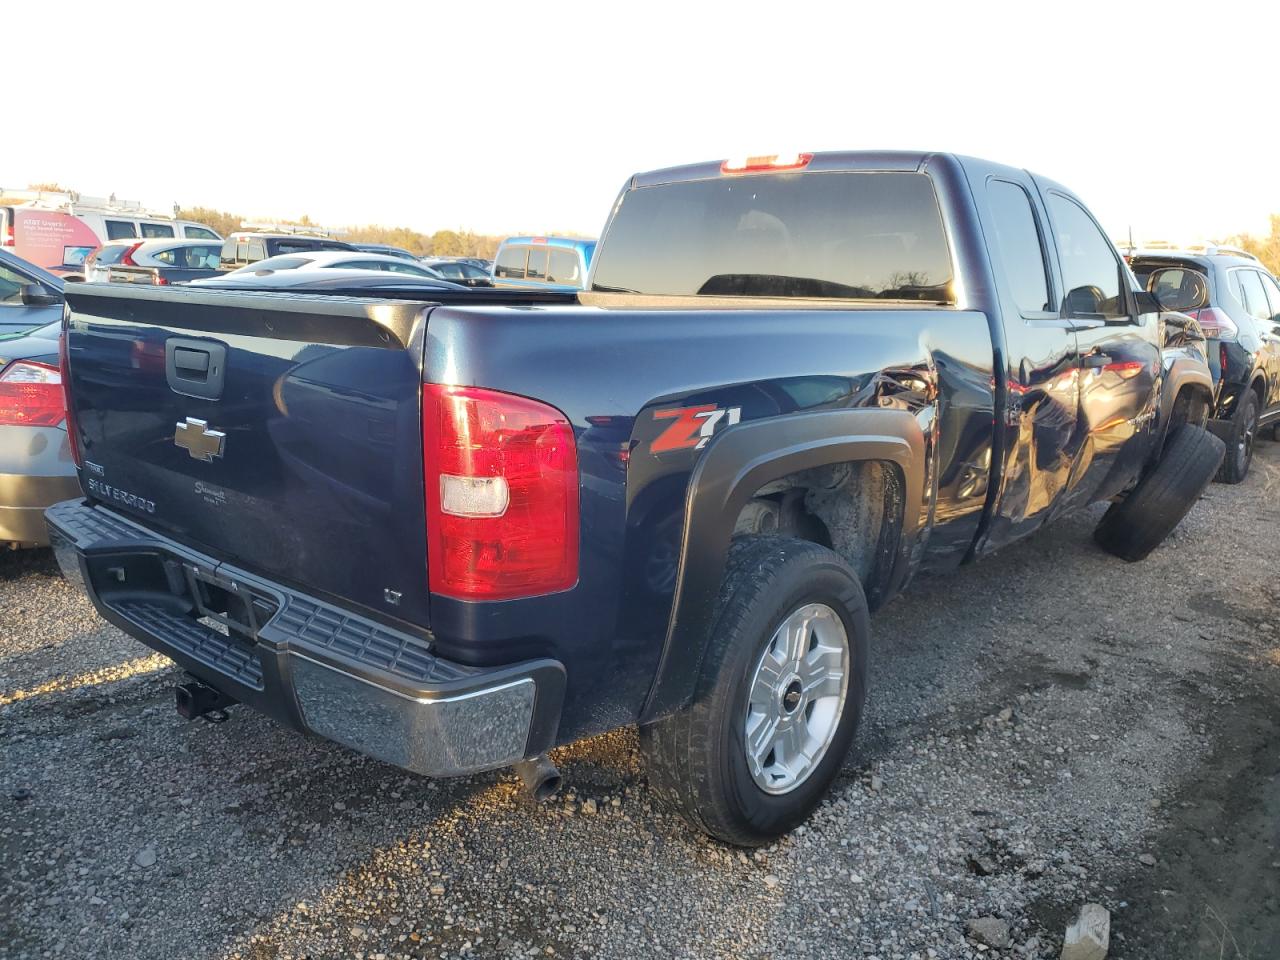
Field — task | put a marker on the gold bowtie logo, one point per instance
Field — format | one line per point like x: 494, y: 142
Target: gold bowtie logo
x: 197, y: 439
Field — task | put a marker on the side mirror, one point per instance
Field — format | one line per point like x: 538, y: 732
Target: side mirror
x: 1148, y: 302
x: 38, y: 295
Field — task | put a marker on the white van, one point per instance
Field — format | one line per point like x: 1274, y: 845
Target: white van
x: 57, y: 231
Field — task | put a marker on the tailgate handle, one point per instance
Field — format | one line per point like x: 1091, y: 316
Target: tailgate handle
x: 192, y: 362
x: 195, y: 368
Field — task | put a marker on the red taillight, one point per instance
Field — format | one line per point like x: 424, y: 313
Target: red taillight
x: 9, y: 240
x: 126, y: 259
x: 771, y: 163
x: 1215, y: 323
x: 31, y: 395
x: 502, y: 494
x: 64, y: 374
x: 1125, y: 369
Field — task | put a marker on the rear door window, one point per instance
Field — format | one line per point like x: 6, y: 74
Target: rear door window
x: 1020, y: 250
x: 190, y: 258
x: 408, y: 269
x: 120, y: 229
x: 1273, y: 295
x: 1255, y: 298
x: 157, y: 230
x: 198, y: 233
x: 842, y: 234
x: 112, y: 253
x: 511, y: 262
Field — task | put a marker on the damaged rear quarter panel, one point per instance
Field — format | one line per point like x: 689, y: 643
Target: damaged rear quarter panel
x: 753, y: 364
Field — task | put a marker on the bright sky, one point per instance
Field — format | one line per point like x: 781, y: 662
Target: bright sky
x: 506, y: 117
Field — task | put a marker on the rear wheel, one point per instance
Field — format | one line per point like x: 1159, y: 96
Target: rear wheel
x: 1135, y: 526
x: 1244, y: 431
x: 778, y: 697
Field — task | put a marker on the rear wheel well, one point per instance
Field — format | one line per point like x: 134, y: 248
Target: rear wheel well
x: 1192, y: 405
x: 1259, y: 386
x: 853, y: 507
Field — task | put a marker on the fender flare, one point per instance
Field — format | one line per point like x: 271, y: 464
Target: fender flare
x: 736, y: 464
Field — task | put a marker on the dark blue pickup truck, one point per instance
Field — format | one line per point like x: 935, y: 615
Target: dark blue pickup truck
x: 453, y: 534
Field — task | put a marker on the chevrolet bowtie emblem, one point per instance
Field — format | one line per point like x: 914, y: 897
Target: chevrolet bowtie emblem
x: 197, y: 439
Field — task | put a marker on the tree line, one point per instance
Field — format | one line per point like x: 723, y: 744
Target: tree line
x: 442, y: 243
x: 1266, y: 249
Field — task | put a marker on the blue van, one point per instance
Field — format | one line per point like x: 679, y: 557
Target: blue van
x: 555, y: 263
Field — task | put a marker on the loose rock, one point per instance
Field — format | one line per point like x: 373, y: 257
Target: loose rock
x: 991, y: 931
x: 1089, y: 937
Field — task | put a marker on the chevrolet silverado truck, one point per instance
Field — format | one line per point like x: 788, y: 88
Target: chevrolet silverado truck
x: 454, y: 533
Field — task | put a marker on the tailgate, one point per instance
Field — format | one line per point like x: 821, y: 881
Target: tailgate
x: 278, y: 432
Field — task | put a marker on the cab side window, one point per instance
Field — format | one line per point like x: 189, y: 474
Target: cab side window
x: 1091, y: 271
x: 120, y: 229
x: 1019, y: 243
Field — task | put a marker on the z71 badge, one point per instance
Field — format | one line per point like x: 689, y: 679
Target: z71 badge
x: 693, y: 426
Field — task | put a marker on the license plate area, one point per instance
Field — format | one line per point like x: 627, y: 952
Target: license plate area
x: 227, y: 603
x: 146, y: 575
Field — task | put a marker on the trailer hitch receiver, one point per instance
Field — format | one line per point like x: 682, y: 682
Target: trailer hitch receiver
x: 197, y: 699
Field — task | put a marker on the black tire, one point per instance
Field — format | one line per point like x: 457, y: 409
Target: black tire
x: 1244, y: 430
x: 1135, y: 526
x: 696, y: 758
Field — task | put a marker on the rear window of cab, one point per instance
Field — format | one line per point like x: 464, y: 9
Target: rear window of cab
x: 840, y: 235
x: 539, y: 264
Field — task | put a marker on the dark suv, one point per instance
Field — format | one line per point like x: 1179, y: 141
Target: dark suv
x: 1237, y: 303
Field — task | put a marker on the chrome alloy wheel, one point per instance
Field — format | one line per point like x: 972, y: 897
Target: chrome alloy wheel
x: 796, y: 698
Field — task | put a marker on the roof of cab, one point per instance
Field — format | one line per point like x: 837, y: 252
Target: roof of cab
x: 575, y: 243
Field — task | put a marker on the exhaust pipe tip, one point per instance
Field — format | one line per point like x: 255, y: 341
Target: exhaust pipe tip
x: 540, y: 778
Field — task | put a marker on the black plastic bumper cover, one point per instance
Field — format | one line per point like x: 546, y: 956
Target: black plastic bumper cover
x: 307, y: 663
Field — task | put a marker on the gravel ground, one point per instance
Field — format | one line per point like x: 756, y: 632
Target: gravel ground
x: 1048, y: 728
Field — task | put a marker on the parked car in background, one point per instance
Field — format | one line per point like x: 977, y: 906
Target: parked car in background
x: 388, y: 250
x: 1237, y: 304
x: 243, y: 248
x: 559, y: 262
x: 460, y: 271
x: 338, y: 260
x: 453, y: 535
x: 30, y: 296
x: 55, y: 231
x: 175, y: 259
x: 36, y: 467
x: 288, y: 279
